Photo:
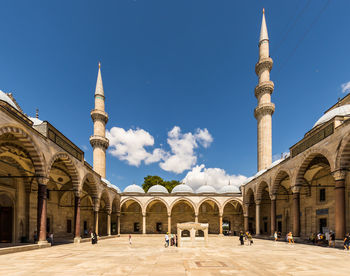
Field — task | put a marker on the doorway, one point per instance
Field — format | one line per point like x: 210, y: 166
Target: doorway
x: 6, y: 224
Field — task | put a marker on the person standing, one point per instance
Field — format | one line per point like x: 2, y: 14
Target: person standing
x: 332, y: 239
x: 241, y: 237
x: 166, y: 240
x: 275, y: 236
x: 347, y: 241
x: 130, y: 239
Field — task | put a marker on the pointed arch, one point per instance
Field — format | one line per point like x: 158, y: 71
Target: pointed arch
x: 157, y: 199
x: 190, y: 202
x: 208, y: 199
x: 29, y: 145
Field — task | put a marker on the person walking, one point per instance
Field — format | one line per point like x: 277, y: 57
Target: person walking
x: 249, y: 238
x: 331, y: 239
x: 93, y: 238
x: 346, y: 242
x: 166, y: 240
x: 130, y: 239
x: 275, y: 236
x: 241, y: 237
x: 290, y: 238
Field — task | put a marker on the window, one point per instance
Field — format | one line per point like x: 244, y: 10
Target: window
x: 265, y: 227
x: 322, y: 224
x: 48, y: 226
x: 136, y: 227
x: 323, y: 194
x: 69, y: 226
x: 159, y: 227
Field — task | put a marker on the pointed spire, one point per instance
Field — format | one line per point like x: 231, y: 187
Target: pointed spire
x: 99, y: 85
x: 263, y: 30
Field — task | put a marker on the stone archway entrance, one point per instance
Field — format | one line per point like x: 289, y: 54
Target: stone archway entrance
x: 157, y: 218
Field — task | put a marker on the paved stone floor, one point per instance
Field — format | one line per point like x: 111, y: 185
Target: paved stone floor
x: 147, y: 256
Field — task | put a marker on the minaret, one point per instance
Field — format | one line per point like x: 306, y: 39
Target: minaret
x: 98, y: 141
x: 263, y: 112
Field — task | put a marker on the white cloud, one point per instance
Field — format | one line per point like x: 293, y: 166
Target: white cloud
x: 182, y: 147
x: 216, y: 177
x: 345, y: 87
x: 130, y: 146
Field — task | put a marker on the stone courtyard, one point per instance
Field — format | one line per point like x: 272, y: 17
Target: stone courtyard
x: 147, y: 256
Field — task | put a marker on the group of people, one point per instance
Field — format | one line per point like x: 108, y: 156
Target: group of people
x: 247, y: 236
x: 320, y: 239
x: 49, y: 237
x: 172, y: 240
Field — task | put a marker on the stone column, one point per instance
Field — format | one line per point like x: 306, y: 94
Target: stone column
x: 118, y: 223
x: 196, y: 218
x: 108, y: 223
x: 296, y: 213
x: 220, y: 224
x: 96, y: 222
x: 246, y: 224
x: 273, y: 214
x: 144, y: 224
x: 340, y: 213
x: 77, y: 219
x: 42, y: 211
x: 257, y: 218
x: 169, y: 223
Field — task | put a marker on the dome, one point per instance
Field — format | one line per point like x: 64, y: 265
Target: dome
x: 343, y: 110
x: 229, y: 189
x: 110, y: 185
x: 4, y: 97
x: 182, y: 188
x: 206, y: 189
x: 134, y: 189
x: 158, y: 189
x: 35, y: 121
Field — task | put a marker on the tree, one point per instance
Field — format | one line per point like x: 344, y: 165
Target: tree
x: 151, y: 180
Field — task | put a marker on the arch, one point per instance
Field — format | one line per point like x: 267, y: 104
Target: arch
x: 343, y: 154
x: 67, y: 160
x: 308, y: 157
x: 25, y: 140
x: 248, y: 194
x: 208, y: 199
x: 131, y: 216
x: 279, y: 176
x: 190, y: 202
x: 239, y: 201
x: 91, y: 183
x: 159, y: 199
x: 106, y: 198
x: 260, y: 189
x: 232, y: 216
x: 134, y: 199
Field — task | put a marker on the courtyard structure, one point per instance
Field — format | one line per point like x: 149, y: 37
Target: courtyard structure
x: 148, y: 256
x: 192, y: 232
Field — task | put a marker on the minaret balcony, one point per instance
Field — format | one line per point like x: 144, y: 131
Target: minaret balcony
x: 263, y: 64
x: 101, y: 141
x: 99, y: 115
x: 264, y: 109
x: 264, y: 87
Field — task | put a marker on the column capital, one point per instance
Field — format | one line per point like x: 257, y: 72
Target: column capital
x: 118, y: 214
x: 96, y: 201
x: 296, y: 189
x: 273, y: 196
x: 339, y: 175
x: 42, y: 180
x: 257, y: 201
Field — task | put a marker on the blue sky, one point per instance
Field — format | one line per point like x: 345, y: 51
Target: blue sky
x: 188, y: 64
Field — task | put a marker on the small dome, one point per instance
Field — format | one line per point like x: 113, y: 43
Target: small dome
x: 158, y: 189
x: 110, y: 185
x: 229, y: 189
x: 343, y: 110
x: 134, y: 189
x: 35, y: 121
x: 206, y: 189
x: 182, y: 188
x: 4, y: 97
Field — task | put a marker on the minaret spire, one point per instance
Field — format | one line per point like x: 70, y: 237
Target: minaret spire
x: 98, y: 141
x: 263, y: 112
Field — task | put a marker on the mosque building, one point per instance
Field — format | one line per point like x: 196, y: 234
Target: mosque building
x: 46, y: 186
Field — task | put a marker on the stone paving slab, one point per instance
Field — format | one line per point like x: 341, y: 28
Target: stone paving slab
x: 147, y: 256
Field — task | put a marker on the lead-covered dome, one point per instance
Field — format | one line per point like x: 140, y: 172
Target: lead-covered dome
x: 158, y: 189
x: 343, y: 110
x: 229, y: 189
x: 182, y: 188
x: 109, y: 184
x: 4, y: 97
x: 206, y: 189
x: 134, y: 189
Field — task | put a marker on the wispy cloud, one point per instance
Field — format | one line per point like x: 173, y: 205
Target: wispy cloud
x: 345, y: 87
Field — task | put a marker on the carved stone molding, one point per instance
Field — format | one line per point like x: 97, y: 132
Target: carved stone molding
x: 263, y: 64
x: 99, y: 141
x: 264, y: 109
x: 99, y: 115
x: 264, y: 87
x: 339, y: 175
